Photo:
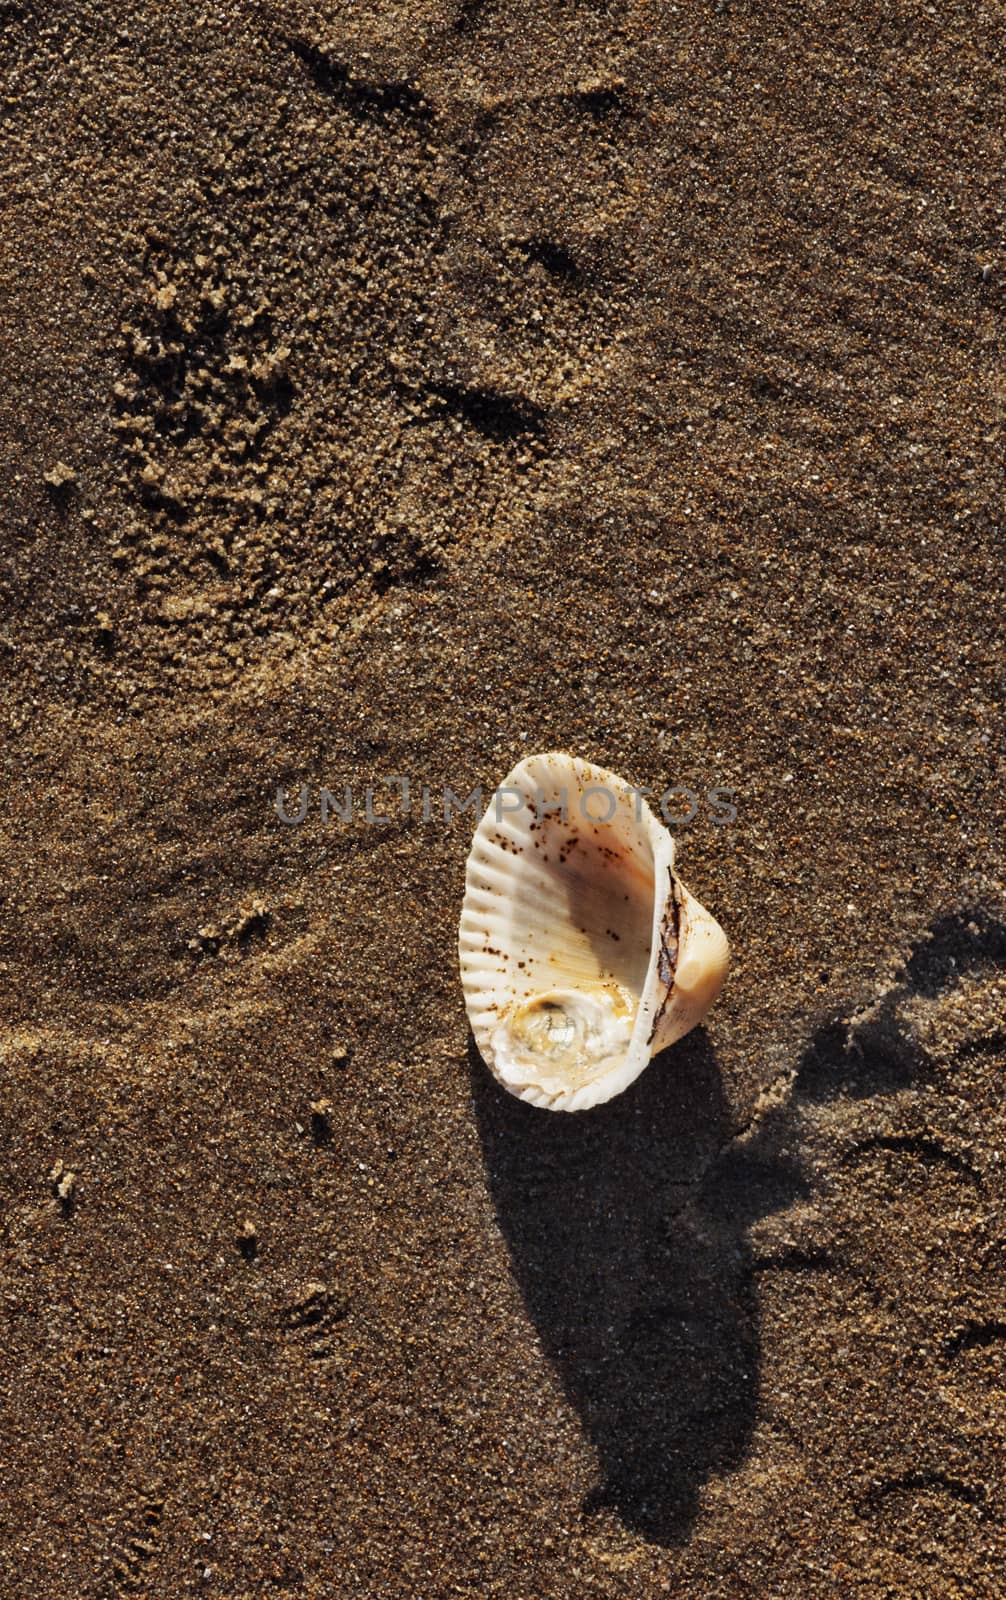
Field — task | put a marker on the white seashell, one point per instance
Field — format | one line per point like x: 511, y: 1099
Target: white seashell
x: 582, y: 952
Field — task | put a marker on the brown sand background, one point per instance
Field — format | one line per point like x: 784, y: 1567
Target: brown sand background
x: 441, y: 381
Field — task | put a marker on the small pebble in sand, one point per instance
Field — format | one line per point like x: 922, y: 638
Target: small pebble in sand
x: 60, y: 476
x: 247, y: 1241
x: 64, y: 1185
x: 321, y: 1121
x: 253, y: 917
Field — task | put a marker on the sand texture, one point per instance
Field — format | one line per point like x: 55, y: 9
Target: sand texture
x: 392, y: 391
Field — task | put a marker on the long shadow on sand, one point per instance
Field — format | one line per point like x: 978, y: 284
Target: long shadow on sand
x: 627, y: 1227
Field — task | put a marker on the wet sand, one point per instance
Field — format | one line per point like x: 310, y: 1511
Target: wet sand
x: 397, y: 391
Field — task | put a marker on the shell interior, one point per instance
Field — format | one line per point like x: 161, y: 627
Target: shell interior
x: 560, y: 919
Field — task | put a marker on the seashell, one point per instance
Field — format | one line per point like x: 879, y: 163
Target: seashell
x: 582, y: 953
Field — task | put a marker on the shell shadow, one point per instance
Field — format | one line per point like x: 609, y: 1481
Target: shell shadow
x: 627, y: 1230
